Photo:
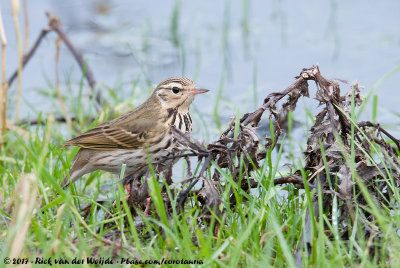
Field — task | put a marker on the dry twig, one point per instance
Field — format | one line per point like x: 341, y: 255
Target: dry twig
x: 331, y: 130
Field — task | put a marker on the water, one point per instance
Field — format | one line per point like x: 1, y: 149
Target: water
x: 254, y: 47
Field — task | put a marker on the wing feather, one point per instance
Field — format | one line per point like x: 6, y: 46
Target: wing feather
x: 107, y: 137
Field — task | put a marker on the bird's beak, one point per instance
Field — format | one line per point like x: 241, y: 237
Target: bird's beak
x: 197, y: 91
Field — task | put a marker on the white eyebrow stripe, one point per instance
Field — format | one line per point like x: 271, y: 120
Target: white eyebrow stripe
x: 180, y: 80
x: 173, y: 84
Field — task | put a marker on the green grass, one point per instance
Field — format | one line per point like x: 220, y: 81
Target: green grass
x: 264, y: 228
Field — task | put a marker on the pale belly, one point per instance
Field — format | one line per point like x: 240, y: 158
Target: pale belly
x: 138, y: 159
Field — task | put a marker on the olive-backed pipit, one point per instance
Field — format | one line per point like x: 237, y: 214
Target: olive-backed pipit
x: 132, y: 137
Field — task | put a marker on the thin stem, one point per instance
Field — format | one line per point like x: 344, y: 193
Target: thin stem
x: 15, y: 11
x: 26, y: 26
x: 4, y: 85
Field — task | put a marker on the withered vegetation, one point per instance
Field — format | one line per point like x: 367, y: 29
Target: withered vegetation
x: 356, y: 177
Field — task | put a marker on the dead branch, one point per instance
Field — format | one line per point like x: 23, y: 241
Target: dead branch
x: 55, y: 25
x: 289, y: 179
x: 30, y: 53
x: 379, y: 128
x: 60, y: 119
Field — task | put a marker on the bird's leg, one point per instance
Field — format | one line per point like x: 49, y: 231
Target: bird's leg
x: 126, y: 199
x: 148, y: 206
x: 128, y: 188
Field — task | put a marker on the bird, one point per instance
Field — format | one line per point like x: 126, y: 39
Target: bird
x: 133, y: 137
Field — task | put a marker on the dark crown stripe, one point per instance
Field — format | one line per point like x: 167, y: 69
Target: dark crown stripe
x: 181, y: 80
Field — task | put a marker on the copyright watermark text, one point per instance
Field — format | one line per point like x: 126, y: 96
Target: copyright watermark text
x: 97, y: 261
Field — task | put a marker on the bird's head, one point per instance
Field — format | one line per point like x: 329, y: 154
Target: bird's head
x: 177, y: 92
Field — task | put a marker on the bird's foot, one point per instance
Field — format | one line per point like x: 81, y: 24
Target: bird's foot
x: 148, y: 207
x: 128, y: 190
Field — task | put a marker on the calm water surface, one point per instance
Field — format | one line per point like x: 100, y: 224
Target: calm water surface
x: 249, y: 48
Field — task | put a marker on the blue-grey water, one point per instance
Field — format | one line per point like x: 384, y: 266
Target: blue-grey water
x: 251, y: 48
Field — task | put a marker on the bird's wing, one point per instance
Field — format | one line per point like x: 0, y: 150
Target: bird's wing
x: 114, y: 136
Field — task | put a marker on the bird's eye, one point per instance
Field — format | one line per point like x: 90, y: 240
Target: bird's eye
x: 175, y: 90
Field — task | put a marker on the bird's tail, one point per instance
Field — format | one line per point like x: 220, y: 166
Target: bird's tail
x: 78, y: 169
x: 66, y: 182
